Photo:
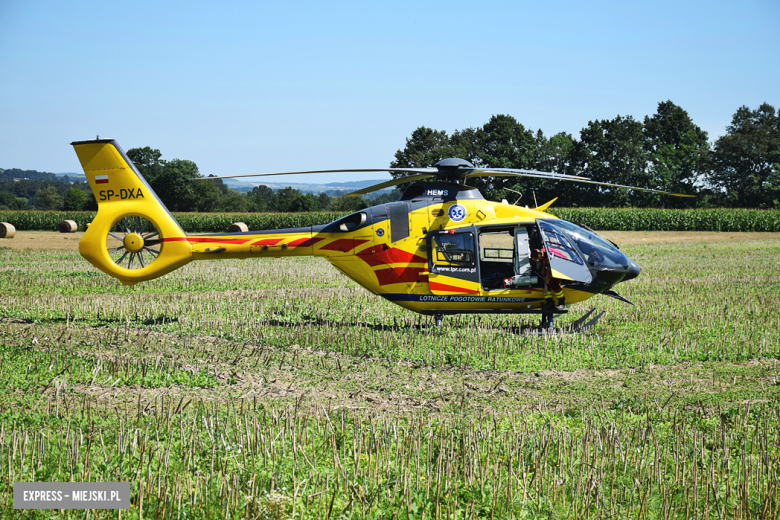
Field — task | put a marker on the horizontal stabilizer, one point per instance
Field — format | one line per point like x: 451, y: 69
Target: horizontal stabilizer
x: 544, y: 207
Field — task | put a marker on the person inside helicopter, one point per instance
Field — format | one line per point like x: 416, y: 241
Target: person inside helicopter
x: 552, y: 286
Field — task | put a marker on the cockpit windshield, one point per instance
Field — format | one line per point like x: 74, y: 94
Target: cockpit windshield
x: 598, y: 252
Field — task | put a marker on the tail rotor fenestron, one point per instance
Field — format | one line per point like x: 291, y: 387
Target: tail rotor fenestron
x: 134, y: 242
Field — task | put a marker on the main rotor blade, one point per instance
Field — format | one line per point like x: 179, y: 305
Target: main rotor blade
x: 509, y: 172
x: 394, y: 182
x: 560, y: 177
x: 359, y: 170
x: 633, y: 188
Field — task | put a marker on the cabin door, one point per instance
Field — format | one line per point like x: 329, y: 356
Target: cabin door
x: 452, y: 262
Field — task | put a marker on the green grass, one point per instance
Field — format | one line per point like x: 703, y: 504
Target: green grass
x: 219, y: 384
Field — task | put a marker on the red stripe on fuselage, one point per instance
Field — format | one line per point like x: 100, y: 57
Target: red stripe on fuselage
x: 391, y: 256
x: 400, y: 275
x: 301, y: 242
x: 451, y: 288
x: 304, y: 242
x: 210, y: 240
x: 343, y: 244
x: 267, y: 242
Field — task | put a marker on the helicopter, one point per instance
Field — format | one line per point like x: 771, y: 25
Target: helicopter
x: 442, y: 249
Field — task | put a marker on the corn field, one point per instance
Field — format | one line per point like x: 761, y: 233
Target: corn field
x: 632, y: 219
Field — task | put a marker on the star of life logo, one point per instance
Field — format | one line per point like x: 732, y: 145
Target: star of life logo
x: 457, y: 213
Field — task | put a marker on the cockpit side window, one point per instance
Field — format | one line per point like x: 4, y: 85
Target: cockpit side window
x: 352, y: 222
x: 456, y: 249
x: 565, y: 259
x: 598, y: 252
x: 558, y: 245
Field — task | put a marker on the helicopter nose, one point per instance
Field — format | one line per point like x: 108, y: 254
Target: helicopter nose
x: 633, y: 271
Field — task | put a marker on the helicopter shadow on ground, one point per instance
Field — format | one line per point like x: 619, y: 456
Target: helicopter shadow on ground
x: 425, y: 324
x: 160, y: 320
x: 307, y: 319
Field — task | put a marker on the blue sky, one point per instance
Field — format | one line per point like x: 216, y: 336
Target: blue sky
x: 243, y: 87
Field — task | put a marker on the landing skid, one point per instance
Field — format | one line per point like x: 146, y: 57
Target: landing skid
x: 547, y: 327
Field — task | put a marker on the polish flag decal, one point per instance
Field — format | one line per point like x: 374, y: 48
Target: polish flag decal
x: 101, y: 179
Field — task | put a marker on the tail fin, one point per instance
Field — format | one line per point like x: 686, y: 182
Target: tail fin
x: 133, y: 237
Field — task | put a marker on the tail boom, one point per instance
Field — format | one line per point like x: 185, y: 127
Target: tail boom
x: 124, y: 197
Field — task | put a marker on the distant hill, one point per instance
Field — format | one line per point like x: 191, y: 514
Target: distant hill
x: 244, y: 186
x: 11, y: 174
x: 74, y: 177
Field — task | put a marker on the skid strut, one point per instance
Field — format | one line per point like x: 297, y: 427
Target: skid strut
x: 547, y: 326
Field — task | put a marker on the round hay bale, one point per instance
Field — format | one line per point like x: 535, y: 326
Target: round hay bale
x: 7, y: 230
x: 68, y: 226
x: 236, y: 227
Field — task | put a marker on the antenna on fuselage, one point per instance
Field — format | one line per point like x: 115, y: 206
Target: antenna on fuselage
x: 518, y: 198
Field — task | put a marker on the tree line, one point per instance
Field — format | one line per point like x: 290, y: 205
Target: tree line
x: 46, y: 194
x: 173, y: 182
x: 666, y: 151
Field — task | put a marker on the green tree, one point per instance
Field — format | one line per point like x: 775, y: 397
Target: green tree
x: 612, y: 151
x: 260, y: 199
x: 208, y: 195
x: 49, y: 198
x: 75, y: 200
x: 679, y: 152
x: 747, y: 158
x: 384, y: 198
x: 324, y: 200
x: 553, y: 154
x: 174, y: 186
x: 285, y: 200
x: 304, y: 203
x: 148, y: 162
x: 28, y: 188
x: 7, y: 199
x: 502, y: 142
x: 505, y: 143
x: 234, y: 202
x: 465, y: 144
x: 347, y: 204
x: 424, y: 148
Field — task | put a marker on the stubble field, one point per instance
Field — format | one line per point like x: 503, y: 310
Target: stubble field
x: 278, y: 388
